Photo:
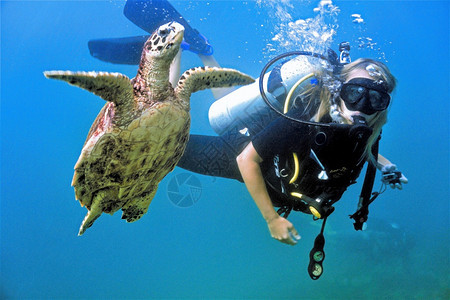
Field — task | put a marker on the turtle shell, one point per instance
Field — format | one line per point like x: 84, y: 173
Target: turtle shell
x: 126, y: 163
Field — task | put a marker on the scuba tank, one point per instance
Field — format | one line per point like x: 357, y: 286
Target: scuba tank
x: 245, y: 108
x: 254, y: 106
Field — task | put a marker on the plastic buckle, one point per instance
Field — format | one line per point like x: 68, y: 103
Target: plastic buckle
x: 205, y: 49
x: 392, y: 177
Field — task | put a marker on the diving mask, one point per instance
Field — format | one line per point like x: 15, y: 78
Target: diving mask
x: 365, y: 95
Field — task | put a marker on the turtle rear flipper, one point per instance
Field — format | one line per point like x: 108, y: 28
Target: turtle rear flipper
x: 93, y: 214
x: 136, y: 208
x: 100, y: 203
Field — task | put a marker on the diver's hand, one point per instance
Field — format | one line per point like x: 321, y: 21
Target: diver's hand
x: 392, y: 176
x: 283, y: 230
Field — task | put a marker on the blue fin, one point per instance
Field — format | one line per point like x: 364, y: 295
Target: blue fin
x: 148, y: 15
x: 125, y: 50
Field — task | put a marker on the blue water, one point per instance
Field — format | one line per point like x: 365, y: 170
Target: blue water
x: 218, y: 247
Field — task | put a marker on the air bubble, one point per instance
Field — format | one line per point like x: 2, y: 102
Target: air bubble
x: 373, y: 71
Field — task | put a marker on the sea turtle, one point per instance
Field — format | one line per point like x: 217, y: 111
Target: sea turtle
x: 141, y: 132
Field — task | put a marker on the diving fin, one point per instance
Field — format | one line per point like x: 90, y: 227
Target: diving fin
x: 125, y: 50
x: 148, y: 15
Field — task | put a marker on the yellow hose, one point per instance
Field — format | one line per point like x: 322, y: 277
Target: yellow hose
x: 292, y: 90
x: 312, y: 209
x: 297, y: 168
x: 285, y: 110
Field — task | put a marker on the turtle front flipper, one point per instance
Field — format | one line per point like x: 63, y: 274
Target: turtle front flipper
x: 114, y: 87
x: 201, y: 78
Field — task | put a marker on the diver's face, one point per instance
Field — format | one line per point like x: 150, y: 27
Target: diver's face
x: 346, y: 112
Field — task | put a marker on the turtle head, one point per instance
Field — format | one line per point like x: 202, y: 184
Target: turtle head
x: 164, y: 42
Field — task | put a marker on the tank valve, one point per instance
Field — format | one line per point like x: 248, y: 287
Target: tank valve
x: 344, y: 50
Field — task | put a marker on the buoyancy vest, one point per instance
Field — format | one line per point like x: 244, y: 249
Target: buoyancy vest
x: 330, y: 163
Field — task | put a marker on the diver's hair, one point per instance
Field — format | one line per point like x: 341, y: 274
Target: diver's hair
x: 322, y: 93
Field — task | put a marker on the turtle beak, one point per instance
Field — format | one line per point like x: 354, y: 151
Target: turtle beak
x: 178, y: 29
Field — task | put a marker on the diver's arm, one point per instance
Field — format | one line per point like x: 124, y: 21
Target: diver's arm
x: 391, y: 175
x: 280, y: 228
x: 382, y: 161
x: 248, y: 162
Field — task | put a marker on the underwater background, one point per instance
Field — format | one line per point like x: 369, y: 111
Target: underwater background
x: 218, y: 245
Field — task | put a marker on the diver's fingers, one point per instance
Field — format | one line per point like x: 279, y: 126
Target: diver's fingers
x: 389, y: 168
x: 289, y: 239
x: 286, y: 239
x: 294, y: 234
x: 403, y: 179
x: 283, y: 231
x: 292, y: 237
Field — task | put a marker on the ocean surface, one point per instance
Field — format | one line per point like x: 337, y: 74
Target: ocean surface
x: 215, y: 244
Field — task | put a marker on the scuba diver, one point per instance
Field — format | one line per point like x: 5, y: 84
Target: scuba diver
x: 297, y: 138
x: 329, y: 159
x: 307, y: 166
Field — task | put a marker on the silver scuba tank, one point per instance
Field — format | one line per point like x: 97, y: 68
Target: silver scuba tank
x: 244, y: 107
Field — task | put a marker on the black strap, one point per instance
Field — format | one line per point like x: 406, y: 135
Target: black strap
x: 362, y: 213
x: 284, y: 211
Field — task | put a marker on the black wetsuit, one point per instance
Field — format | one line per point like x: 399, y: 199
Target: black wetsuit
x: 216, y: 155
